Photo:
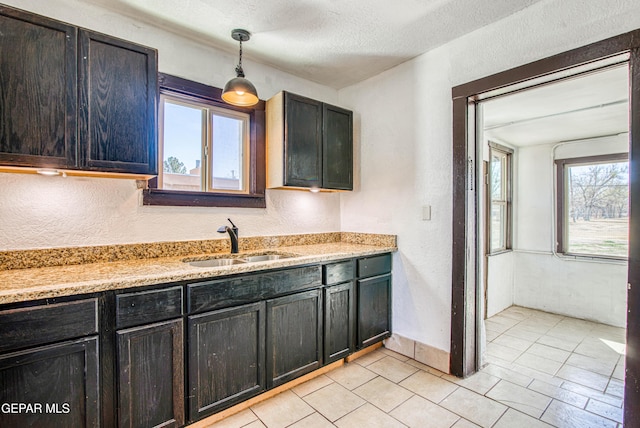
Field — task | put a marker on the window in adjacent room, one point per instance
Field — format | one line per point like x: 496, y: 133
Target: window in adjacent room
x: 593, y: 206
x: 499, y: 180
x: 210, y: 153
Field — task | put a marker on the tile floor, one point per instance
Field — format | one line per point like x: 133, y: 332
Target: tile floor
x: 542, y: 370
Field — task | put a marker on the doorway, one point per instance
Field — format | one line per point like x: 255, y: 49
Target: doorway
x: 466, y: 301
x: 580, y: 125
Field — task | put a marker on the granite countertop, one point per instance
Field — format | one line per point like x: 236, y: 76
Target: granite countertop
x: 33, y: 283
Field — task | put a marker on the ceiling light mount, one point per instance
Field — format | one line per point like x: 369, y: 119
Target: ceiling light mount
x: 240, y: 91
x: 240, y: 35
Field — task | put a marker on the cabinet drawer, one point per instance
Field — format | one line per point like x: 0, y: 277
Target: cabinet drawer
x: 148, y: 306
x: 218, y: 294
x: 336, y: 273
x: 38, y: 325
x: 375, y: 265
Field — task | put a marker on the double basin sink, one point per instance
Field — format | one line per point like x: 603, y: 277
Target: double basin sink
x: 215, y: 261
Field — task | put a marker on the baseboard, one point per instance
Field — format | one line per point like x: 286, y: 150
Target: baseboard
x: 423, y: 353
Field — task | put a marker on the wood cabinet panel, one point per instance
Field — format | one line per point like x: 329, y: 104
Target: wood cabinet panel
x: 337, y: 148
x: 374, y: 265
x: 144, y: 307
x: 118, y: 99
x: 38, y: 75
x: 294, y: 336
x: 38, y: 325
x: 151, y: 375
x: 62, y: 378
x: 374, y: 309
x: 336, y: 273
x: 226, y: 358
x: 339, y: 321
x: 233, y: 291
x: 303, y: 147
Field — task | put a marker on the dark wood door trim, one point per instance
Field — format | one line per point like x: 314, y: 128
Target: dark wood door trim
x: 463, y: 302
x: 632, y: 376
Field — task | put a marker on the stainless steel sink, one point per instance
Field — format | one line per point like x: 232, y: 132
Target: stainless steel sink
x: 215, y: 262
x: 265, y: 257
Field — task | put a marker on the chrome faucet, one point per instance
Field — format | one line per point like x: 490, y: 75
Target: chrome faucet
x: 233, y: 234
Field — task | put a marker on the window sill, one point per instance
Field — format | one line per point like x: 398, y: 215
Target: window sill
x: 593, y: 258
x: 178, y: 198
x: 499, y: 252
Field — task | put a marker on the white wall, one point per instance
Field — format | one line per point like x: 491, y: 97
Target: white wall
x: 593, y: 290
x: 39, y: 212
x: 405, y: 135
x: 500, y: 282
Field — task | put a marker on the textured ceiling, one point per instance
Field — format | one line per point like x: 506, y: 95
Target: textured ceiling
x: 332, y: 42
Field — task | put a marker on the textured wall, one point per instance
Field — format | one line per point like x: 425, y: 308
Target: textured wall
x: 40, y: 212
x: 404, y: 131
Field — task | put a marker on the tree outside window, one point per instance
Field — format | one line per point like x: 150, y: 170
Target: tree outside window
x: 593, y: 208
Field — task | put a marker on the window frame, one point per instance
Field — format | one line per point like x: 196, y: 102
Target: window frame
x: 508, y: 199
x: 561, y: 196
x: 254, y: 197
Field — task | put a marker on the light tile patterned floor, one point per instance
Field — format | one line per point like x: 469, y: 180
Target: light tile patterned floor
x: 542, y: 370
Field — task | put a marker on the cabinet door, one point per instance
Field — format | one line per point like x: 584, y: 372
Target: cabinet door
x: 118, y: 98
x: 337, y: 148
x: 294, y: 336
x: 151, y: 375
x: 59, y: 382
x: 303, y: 141
x: 226, y: 358
x: 339, y: 321
x: 374, y: 309
x: 38, y: 80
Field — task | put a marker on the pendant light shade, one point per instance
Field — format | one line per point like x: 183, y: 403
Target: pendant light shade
x: 239, y: 91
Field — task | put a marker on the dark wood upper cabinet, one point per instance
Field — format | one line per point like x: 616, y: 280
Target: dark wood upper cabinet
x: 118, y: 101
x: 309, y: 144
x: 75, y: 99
x: 38, y: 91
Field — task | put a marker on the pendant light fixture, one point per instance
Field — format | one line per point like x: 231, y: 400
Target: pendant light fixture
x: 239, y: 91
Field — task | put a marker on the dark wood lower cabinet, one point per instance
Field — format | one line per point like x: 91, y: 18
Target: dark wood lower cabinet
x: 339, y: 321
x: 119, y: 357
x: 59, y: 382
x: 226, y: 358
x: 151, y: 375
x: 374, y: 309
x: 294, y: 336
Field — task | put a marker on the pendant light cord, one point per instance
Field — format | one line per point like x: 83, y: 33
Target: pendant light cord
x: 239, y: 70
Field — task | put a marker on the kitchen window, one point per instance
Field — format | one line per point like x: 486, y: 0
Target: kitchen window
x: 500, y: 195
x: 210, y: 153
x: 593, y: 206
